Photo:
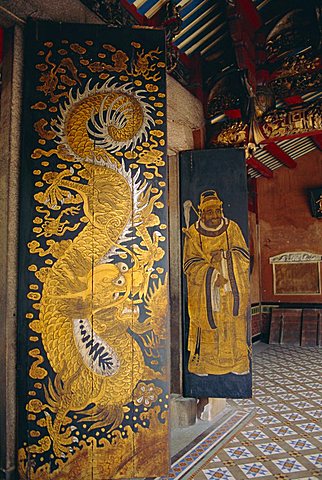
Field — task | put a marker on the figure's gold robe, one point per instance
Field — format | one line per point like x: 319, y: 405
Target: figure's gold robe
x: 217, y: 340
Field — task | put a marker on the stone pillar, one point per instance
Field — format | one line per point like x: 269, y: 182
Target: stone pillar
x: 184, y: 118
x: 213, y: 408
x: 9, y: 212
x: 183, y: 411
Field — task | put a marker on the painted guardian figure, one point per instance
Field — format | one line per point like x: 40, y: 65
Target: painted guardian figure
x: 216, y: 264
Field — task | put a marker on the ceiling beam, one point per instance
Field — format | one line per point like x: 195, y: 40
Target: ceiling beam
x: 280, y: 155
x: 250, y: 13
x: 260, y: 167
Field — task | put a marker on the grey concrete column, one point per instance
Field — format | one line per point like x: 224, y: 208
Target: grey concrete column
x: 9, y: 208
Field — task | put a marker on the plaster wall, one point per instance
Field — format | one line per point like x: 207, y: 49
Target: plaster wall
x: 286, y: 222
x: 17, y: 11
x: 185, y: 115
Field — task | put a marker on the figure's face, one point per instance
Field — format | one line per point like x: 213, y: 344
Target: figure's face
x: 211, y: 216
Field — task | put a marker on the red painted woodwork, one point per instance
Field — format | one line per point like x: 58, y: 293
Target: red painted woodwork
x: 265, y: 326
x: 317, y: 139
x: 256, y: 324
x: 236, y: 113
x: 198, y: 139
x: 250, y: 13
x: 244, y: 21
x: 282, y: 156
x: 291, y: 333
x: 310, y: 327
x: 276, y: 327
x: 294, y: 100
x: 260, y: 167
x: 286, y: 326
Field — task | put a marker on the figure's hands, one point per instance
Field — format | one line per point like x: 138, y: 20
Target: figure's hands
x: 216, y: 256
x: 220, y: 281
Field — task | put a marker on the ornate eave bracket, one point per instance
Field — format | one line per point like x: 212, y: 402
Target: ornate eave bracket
x: 275, y: 125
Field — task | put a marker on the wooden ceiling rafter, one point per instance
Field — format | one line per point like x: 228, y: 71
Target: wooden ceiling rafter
x: 250, y: 50
x: 259, y: 167
x: 281, y: 156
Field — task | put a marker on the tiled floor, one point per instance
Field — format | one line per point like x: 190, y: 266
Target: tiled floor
x: 284, y: 439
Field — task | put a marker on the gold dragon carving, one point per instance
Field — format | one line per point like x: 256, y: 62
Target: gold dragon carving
x: 92, y: 304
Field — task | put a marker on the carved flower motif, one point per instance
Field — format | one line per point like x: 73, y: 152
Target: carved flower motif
x: 145, y: 395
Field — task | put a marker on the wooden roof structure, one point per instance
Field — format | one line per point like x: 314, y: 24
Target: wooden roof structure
x: 255, y: 65
x: 261, y: 71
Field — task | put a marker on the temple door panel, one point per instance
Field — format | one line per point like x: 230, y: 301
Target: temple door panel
x: 215, y: 265
x: 93, y: 281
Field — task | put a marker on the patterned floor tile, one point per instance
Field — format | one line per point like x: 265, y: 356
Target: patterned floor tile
x: 265, y: 383
x: 288, y: 396
x: 266, y: 399
x: 293, y: 417
x: 302, y: 404
x: 315, y: 413
x: 238, y: 452
x: 279, y: 407
x: 284, y: 439
x: 277, y: 389
x: 269, y: 420
x: 270, y: 448
x: 299, y: 388
x: 289, y: 465
x: 300, y: 444
x: 214, y: 473
x: 310, y: 394
x: 215, y: 459
x: 254, y: 470
x: 254, y: 434
x: 316, y: 459
x: 310, y: 427
x: 244, y: 401
x: 309, y: 478
x: 314, y: 385
x: 282, y: 431
x: 260, y: 411
x: 234, y: 440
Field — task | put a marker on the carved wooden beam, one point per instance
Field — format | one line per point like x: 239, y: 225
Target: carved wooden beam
x: 282, y: 156
x: 296, y: 76
x: 282, y: 124
x: 276, y: 125
x: 260, y: 167
x: 244, y: 20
